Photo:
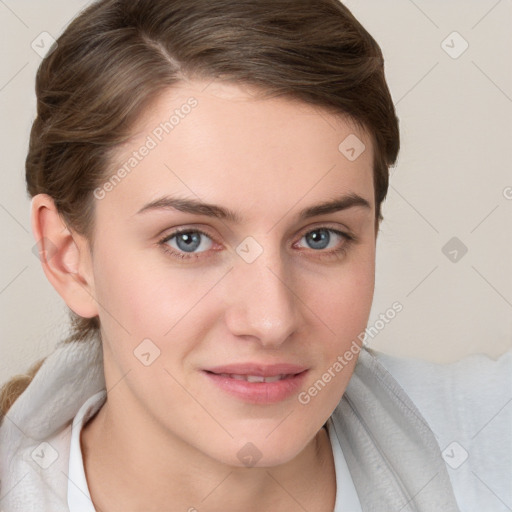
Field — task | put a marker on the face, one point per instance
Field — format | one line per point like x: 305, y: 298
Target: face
x: 215, y: 272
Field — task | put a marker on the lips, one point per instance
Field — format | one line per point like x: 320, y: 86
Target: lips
x: 256, y: 383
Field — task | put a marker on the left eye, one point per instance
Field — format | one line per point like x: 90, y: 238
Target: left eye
x: 322, y: 237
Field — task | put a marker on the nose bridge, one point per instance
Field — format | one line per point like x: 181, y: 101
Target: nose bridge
x: 263, y: 303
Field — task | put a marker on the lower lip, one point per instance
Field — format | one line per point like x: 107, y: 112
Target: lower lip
x: 259, y: 392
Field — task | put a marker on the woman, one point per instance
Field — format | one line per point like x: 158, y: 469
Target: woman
x: 207, y: 181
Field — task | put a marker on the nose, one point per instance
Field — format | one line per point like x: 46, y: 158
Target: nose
x: 263, y: 302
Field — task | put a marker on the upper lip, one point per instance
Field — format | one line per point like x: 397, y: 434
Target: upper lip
x: 255, y: 369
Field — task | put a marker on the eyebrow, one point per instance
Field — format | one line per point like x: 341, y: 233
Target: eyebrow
x: 194, y: 206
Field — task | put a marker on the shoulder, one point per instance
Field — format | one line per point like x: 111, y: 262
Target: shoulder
x: 474, y: 380
x: 468, y: 406
x: 461, y: 395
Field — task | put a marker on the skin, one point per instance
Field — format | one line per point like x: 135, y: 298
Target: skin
x: 166, y: 435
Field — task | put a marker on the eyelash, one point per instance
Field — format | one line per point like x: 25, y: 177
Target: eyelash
x: 336, y: 253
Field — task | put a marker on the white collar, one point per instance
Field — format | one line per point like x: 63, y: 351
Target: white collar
x: 79, y: 498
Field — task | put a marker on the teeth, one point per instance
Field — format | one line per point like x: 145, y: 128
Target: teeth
x: 275, y: 378
x: 253, y: 378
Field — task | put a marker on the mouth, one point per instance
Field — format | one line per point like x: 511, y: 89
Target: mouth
x: 258, y: 384
x: 255, y: 378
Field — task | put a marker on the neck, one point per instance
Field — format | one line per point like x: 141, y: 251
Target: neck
x: 137, y: 467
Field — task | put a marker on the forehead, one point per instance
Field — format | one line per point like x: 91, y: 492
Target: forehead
x: 222, y: 143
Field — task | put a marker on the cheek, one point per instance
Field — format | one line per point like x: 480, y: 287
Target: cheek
x: 125, y: 290
x: 344, y: 307
x: 147, y: 297
x: 343, y: 301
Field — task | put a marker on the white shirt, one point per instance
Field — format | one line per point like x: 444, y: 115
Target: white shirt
x: 79, y: 498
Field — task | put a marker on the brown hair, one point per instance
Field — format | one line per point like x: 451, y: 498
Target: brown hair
x: 118, y: 55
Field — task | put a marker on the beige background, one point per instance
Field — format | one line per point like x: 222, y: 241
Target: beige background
x: 453, y: 179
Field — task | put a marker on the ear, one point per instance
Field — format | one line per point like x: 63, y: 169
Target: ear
x: 65, y: 257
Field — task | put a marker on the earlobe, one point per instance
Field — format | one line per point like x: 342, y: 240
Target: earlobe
x: 64, y: 256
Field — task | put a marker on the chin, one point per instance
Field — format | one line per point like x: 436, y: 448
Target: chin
x: 262, y: 450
